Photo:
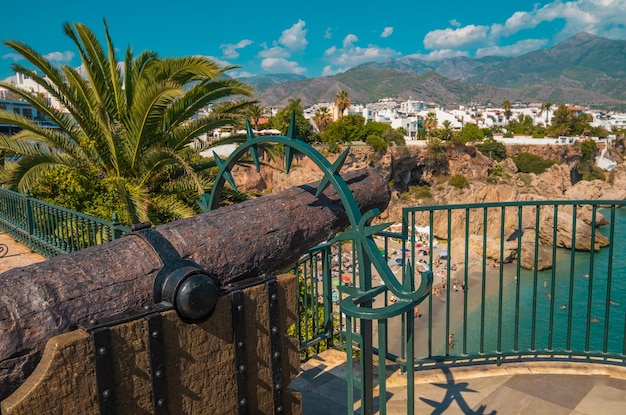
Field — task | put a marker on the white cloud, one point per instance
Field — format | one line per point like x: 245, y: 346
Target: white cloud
x: 294, y: 38
x: 13, y: 56
x: 388, y: 31
x: 455, y: 38
x: 281, y: 65
x: 516, y: 49
x: 229, y: 50
x: 275, y: 52
x: 349, y: 40
x: 328, y: 33
x: 59, y: 57
x: 603, y: 18
x: 439, y: 54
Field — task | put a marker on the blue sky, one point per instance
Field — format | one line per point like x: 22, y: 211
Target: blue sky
x: 312, y: 39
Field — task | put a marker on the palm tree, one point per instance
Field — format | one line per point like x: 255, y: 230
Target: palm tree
x: 255, y: 112
x: 322, y: 118
x: 545, y: 107
x: 430, y: 123
x: 342, y: 101
x: 506, y: 106
x: 129, y: 127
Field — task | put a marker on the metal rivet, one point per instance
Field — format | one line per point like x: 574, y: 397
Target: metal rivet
x: 93, y: 321
x: 240, y: 344
x: 278, y: 386
x: 106, y: 393
x: 239, y: 308
x: 274, y: 330
x: 279, y: 409
x: 242, y: 368
x: 242, y: 402
x: 160, y: 403
x: 276, y: 355
x: 102, y: 351
x: 155, y: 334
x: 274, y: 297
x: 158, y: 374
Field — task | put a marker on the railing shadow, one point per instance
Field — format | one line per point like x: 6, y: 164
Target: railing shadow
x: 454, y: 393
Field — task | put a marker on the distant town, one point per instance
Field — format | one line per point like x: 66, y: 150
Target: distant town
x: 408, y: 115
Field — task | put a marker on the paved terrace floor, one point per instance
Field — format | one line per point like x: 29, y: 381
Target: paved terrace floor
x: 14, y: 254
x: 535, y: 388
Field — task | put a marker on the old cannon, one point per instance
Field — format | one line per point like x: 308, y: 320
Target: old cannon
x: 106, y: 329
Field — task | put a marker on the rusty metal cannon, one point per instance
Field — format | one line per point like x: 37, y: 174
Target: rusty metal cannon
x: 101, y: 311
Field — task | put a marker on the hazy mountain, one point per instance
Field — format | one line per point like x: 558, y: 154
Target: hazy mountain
x: 583, y: 69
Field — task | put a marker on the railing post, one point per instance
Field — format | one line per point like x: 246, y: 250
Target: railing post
x: 30, y: 219
x: 116, y: 227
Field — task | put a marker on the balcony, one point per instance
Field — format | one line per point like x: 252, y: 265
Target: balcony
x: 513, y: 310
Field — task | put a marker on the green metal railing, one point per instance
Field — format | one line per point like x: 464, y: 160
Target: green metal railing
x: 52, y: 230
x: 507, y: 286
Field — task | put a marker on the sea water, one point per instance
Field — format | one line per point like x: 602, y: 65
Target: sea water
x: 549, y: 315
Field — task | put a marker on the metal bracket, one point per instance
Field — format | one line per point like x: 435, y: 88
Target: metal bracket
x: 239, y: 333
x: 182, y: 283
x: 275, y: 349
x: 156, y: 342
x: 103, y: 360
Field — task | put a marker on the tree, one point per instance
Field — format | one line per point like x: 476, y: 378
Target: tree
x: 342, y: 101
x: 506, y: 106
x: 545, y: 107
x: 469, y: 133
x: 283, y: 118
x: 345, y: 130
x: 446, y: 131
x: 430, y: 122
x: 255, y: 112
x: 322, y: 118
x: 129, y: 127
x: 437, y: 156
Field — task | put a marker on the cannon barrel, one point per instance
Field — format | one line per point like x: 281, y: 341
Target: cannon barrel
x: 260, y: 236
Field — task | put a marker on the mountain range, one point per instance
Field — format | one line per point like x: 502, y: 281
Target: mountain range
x: 582, y: 70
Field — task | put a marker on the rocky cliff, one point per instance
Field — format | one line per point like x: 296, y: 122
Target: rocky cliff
x: 415, y: 183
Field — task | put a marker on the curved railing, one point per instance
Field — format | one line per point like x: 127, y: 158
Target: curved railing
x: 486, y: 304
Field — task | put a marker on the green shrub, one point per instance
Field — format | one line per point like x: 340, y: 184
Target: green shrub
x: 493, y: 149
x: 459, y: 181
x: 531, y: 163
x: 525, y: 178
x: 420, y: 192
x: 377, y: 143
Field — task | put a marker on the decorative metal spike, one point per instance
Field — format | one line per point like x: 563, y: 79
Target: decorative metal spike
x: 227, y: 174
x: 337, y: 165
x: 292, y: 132
x: 249, y: 129
x: 229, y: 177
x: 254, y: 149
x: 204, y: 201
x: 289, y: 153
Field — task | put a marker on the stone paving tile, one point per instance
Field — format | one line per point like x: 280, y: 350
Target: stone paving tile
x: 507, y: 401
x: 563, y: 390
x: 603, y: 400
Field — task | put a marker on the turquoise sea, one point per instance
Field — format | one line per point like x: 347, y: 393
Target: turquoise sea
x: 592, y: 314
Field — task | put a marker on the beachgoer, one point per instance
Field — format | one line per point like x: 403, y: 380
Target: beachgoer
x: 595, y: 320
x: 563, y: 307
x: 416, y: 312
x: 451, y: 341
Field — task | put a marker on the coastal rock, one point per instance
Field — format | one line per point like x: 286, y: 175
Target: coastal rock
x: 527, y: 258
x: 492, y: 249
